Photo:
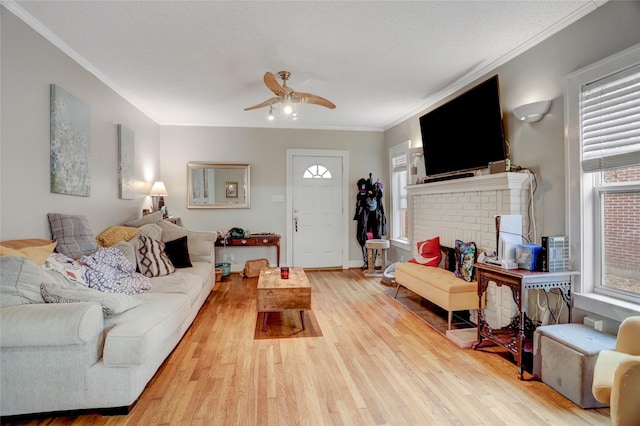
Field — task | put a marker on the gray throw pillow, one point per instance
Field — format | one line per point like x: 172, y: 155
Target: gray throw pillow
x: 73, y: 235
x: 112, y: 303
x: 150, y: 218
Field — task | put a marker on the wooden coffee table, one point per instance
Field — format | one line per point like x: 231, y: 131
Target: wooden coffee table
x: 277, y: 295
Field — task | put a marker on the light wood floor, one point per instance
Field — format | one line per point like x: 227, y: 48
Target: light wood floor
x: 375, y: 363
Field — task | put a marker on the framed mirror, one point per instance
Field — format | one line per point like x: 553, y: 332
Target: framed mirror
x: 218, y: 185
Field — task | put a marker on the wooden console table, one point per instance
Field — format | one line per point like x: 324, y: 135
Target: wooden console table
x: 512, y: 336
x: 254, y: 240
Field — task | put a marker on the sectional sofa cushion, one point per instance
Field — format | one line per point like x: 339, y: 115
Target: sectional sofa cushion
x: 73, y: 235
x: 187, y: 281
x: 137, y: 335
x: 200, y: 242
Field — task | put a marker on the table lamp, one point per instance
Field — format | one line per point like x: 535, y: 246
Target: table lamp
x: 158, y: 192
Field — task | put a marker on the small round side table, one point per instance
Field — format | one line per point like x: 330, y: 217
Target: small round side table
x: 371, y: 245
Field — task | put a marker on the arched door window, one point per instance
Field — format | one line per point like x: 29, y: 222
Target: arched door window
x: 317, y: 172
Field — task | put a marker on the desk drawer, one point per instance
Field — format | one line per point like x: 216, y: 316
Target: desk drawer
x: 264, y: 241
x: 243, y: 242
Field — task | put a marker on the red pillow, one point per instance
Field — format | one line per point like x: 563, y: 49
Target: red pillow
x: 429, y: 253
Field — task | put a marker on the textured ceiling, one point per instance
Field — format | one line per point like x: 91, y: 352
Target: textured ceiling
x: 202, y: 62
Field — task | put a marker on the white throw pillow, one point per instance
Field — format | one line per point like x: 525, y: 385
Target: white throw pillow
x: 21, y: 279
x: 152, y: 230
x: 112, y: 303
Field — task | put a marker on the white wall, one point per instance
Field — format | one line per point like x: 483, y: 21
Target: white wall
x: 539, y: 74
x: 265, y: 151
x: 29, y: 65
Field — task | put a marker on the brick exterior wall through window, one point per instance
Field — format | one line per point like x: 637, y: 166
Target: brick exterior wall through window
x: 622, y: 225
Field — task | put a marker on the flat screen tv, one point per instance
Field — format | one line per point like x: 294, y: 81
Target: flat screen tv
x: 466, y: 133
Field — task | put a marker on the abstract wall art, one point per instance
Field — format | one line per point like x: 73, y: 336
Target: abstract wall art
x: 126, y: 162
x: 70, y: 144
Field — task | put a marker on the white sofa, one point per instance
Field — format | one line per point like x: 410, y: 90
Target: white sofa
x: 67, y: 356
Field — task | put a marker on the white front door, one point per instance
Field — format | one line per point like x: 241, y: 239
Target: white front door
x: 317, y: 211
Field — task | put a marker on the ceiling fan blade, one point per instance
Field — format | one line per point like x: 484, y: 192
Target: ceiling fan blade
x: 308, y: 98
x: 263, y: 104
x: 272, y: 83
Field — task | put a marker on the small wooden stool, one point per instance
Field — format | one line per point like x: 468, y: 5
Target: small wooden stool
x: 372, y: 245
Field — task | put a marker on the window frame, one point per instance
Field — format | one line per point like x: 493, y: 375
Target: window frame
x: 394, y: 152
x: 581, y: 199
x: 600, y: 188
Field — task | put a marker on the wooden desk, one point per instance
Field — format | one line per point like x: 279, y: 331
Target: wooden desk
x: 277, y: 295
x: 512, y: 336
x: 254, y: 240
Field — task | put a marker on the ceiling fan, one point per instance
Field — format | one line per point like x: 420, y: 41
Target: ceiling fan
x: 287, y: 96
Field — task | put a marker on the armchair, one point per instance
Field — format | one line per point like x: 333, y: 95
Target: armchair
x: 616, y: 377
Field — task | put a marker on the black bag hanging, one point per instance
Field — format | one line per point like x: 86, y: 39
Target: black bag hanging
x: 372, y: 223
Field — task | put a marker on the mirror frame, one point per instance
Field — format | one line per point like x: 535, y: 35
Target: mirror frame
x: 239, y: 204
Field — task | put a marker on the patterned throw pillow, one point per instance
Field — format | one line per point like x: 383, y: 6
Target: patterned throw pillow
x: 115, y: 234
x: 109, y: 271
x: 69, y: 268
x: 73, y: 235
x: 152, y: 259
x: 465, y: 258
x: 429, y: 253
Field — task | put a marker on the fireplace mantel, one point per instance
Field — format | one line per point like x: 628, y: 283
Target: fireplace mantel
x: 465, y: 209
x: 497, y: 181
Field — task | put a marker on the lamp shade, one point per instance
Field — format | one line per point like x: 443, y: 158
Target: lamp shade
x: 532, y: 112
x: 158, y: 189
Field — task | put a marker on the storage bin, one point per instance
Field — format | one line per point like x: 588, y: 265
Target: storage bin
x: 226, y: 267
x: 564, y: 356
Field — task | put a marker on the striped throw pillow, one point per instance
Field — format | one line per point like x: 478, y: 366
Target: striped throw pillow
x: 152, y: 260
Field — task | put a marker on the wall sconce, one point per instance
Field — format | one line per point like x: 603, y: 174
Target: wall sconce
x: 158, y: 192
x: 532, y: 112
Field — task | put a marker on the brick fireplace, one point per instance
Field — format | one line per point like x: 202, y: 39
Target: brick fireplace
x: 465, y: 209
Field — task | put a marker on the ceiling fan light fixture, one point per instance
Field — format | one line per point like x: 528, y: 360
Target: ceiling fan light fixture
x: 287, y: 106
x: 286, y: 99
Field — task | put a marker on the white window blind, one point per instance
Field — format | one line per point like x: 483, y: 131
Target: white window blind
x: 399, y: 163
x: 610, y: 121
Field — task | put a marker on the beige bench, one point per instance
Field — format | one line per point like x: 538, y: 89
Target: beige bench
x: 439, y: 286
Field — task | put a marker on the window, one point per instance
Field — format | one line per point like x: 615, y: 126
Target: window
x: 617, y: 204
x: 399, y: 178
x: 603, y: 178
x: 317, y: 172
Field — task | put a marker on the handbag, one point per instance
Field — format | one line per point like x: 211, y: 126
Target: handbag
x: 252, y: 268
